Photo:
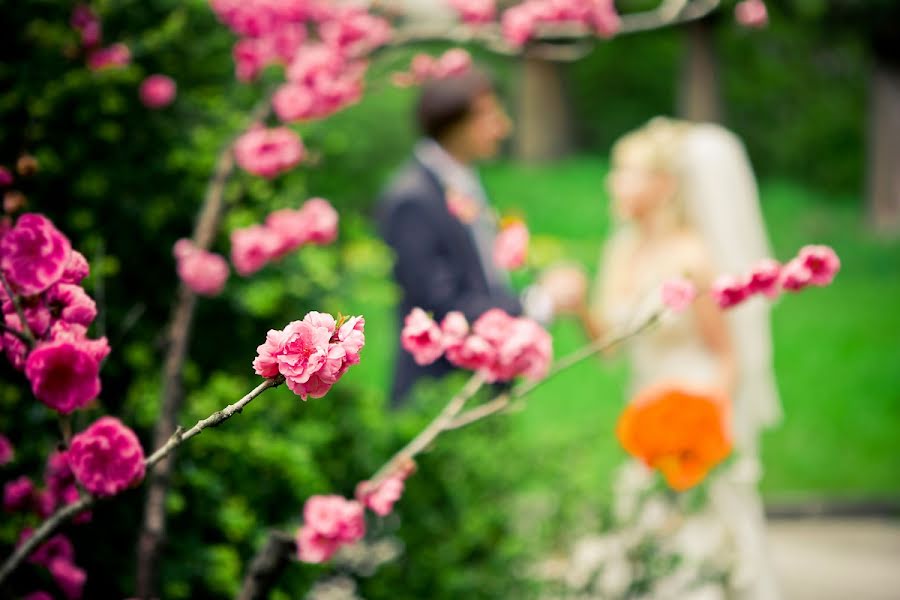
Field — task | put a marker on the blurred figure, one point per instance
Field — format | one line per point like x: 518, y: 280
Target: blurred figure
x: 685, y: 205
x: 437, y: 218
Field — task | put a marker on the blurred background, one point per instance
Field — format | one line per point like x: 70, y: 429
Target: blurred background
x: 816, y: 98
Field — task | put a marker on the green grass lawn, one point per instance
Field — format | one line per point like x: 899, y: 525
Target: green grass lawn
x: 837, y: 349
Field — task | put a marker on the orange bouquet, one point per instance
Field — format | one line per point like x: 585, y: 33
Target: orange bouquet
x: 678, y: 431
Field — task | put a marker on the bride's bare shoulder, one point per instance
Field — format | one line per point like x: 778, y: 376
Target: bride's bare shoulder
x: 692, y: 251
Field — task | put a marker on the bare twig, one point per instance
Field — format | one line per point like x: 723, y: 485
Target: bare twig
x: 179, y: 333
x: 180, y: 436
x: 26, y: 335
x: 267, y: 566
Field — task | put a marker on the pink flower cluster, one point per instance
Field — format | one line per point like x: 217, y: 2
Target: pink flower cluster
x: 511, y: 246
x: 285, y: 230
x: 499, y: 347
x: 7, y: 452
x: 60, y: 489
x: 813, y: 266
x: 44, y: 273
x: 424, y: 67
x: 380, y: 499
x: 353, y: 31
x: 106, y: 458
x: 521, y: 22
x: 57, y: 555
x: 751, y: 13
x: 321, y: 80
x: 86, y: 22
x: 205, y: 273
x: 312, y: 354
x: 475, y: 12
x: 268, y: 152
x: 677, y: 294
x: 157, y: 91
x: 329, y: 522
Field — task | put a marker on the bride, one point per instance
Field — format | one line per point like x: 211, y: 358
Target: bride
x: 685, y: 205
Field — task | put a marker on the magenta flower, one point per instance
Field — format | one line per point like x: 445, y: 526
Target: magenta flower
x: 69, y: 577
x: 677, y: 294
x: 71, y: 303
x: 74, y: 333
x: 7, y: 452
x: 511, y: 246
x: 764, y: 278
x: 381, y: 500
x: 329, y: 523
x: 422, y: 337
x: 77, y: 268
x: 354, y: 31
x: 6, y: 177
x: 795, y: 275
x: 38, y: 595
x: 57, y: 547
x: 60, y: 481
x: 33, y: 254
x: 17, y: 494
x: 205, y: 273
x: 253, y: 247
x: 473, y: 354
x: 823, y: 264
x: 15, y: 349
x: 454, y: 329
x: 111, y: 57
x: 157, y: 91
x: 106, y: 458
x: 64, y: 375
x: 293, y: 102
x: 751, y: 13
x: 268, y: 152
x: 729, y: 291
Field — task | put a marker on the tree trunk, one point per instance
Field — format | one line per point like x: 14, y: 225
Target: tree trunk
x: 543, y: 128
x: 699, y: 98
x: 884, y: 148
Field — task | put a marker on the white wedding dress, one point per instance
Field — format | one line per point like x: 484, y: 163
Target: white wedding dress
x: 729, y: 532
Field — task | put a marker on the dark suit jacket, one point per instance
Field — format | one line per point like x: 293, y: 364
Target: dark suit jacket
x: 437, y: 264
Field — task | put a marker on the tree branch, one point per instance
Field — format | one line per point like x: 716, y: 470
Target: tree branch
x: 49, y: 526
x: 267, y: 566
x: 179, y: 333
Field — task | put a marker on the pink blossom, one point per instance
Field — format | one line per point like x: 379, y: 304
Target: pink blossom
x: 253, y: 247
x: 268, y: 152
x: 112, y: 57
x: 473, y: 354
x: 251, y: 55
x: 63, y: 375
x: 422, y: 337
x: 7, y: 453
x: 329, y: 522
x: 289, y: 227
x: 294, y: 102
x: 63, y: 331
x: 764, y: 278
x: 475, y: 12
x: 6, y: 177
x: 38, y: 595
x: 37, y: 314
x: 751, y: 13
x: 69, y: 577
x: 77, y: 268
x: 381, y: 500
x: 107, y: 457
x: 33, y: 254
x: 57, y: 547
x: 15, y: 349
x: 823, y: 264
x: 17, y: 494
x: 521, y: 346
x: 605, y: 20
x: 321, y: 221
x: 423, y: 67
x: 795, y: 275
x: 354, y: 31
x: 266, y: 362
x: 729, y: 291
x: 454, y: 329
x: 61, y: 487
x: 85, y: 21
x: 205, y: 273
x: 71, y: 303
x: 352, y: 338
x: 677, y: 294
x: 157, y: 91
x: 511, y: 246
x: 519, y: 23
x: 44, y: 503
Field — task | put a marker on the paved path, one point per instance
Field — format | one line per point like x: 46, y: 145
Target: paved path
x: 837, y: 559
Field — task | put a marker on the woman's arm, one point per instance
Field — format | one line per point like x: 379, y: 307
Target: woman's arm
x: 715, y: 334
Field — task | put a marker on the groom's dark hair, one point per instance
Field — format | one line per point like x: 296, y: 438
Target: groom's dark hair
x: 445, y: 102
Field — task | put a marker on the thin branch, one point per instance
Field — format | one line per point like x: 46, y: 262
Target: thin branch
x: 15, y: 332
x: 267, y: 566
x: 180, y: 436
x: 431, y: 431
x: 29, y: 338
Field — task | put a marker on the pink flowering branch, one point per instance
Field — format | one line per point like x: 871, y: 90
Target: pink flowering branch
x: 179, y: 332
x: 86, y: 501
x: 25, y: 335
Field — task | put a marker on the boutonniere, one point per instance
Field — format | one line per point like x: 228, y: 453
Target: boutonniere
x: 462, y: 207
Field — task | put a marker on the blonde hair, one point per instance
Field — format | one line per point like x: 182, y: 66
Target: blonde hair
x: 655, y: 146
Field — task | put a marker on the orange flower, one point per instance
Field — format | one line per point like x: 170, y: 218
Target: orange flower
x: 678, y: 431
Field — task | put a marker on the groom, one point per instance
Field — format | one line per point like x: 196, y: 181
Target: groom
x: 436, y: 216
